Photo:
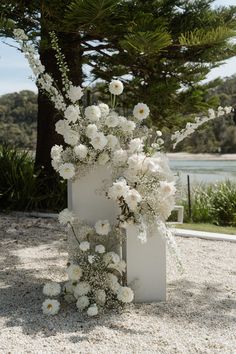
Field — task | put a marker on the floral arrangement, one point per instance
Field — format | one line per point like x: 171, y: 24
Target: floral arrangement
x: 143, y: 185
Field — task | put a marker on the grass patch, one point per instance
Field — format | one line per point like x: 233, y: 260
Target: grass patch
x: 208, y: 228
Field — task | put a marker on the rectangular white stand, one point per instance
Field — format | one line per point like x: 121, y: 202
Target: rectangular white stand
x: 146, y: 266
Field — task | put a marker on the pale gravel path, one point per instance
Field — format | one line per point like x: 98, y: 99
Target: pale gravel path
x: 199, y: 316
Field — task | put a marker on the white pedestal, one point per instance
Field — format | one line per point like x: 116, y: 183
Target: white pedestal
x: 146, y: 266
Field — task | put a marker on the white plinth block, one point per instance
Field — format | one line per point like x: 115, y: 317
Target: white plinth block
x: 146, y: 266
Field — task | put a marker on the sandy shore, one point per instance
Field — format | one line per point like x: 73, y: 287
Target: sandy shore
x: 199, y: 316
x: 186, y: 156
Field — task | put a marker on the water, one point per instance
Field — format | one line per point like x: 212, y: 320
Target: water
x: 205, y: 171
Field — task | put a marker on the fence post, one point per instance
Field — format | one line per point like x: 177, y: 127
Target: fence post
x: 189, y: 198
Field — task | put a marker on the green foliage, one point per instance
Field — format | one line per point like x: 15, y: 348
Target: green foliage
x: 21, y: 188
x: 201, y: 37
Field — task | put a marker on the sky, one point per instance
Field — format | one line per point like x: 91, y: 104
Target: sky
x: 15, y: 72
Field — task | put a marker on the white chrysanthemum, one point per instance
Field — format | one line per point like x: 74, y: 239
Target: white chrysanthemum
x: 67, y: 170
x: 132, y: 199
x: 61, y: 126
x: 112, y: 120
x: 136, y: 145
x: 91, y: 131
x: 118, y: 189
x: 104, y: 108
x: 75, y: 93
x: 116, y: 87
x: 167, y: 188
x: 92, y: 113
x: 135, y: 161
x: 56, y: 151
x: 50, y: 307
x: 129, y: 126
x: 52, y: 289
x: 120, y: 157
x: 81, y: 151
x: 111, y: 257
x: 112, y: 141
x: 103, y: 158
x: 141, y: 111
x: 92, y: 310
x: 65, y: 217
x: 84, y: 246
x: 100, y: 297
x: 125, y: 294
x: 82, y: 303
x: 102, y: 227
x: 82, y: 288
x: 71, y: 137
x: 99, y: 141
x: 74, y: 272
x: 112, y: 282
x: 100, y: 249
x: 72, y: 113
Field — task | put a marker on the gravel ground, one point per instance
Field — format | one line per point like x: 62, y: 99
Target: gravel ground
x: 199, y: 316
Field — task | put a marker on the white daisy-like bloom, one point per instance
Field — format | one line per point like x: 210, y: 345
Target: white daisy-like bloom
x: 103, y: 158
x: 167, y: 188
x: 56, y: 151
x: 132, y: 199
x: 125, y: 294
x: 100, y: 297
x: 50, y: 307
x: 71, y: 137
x: 141, y: 111
x: 136, y: 145
x: 52, y: 289
x: 91, y: 131
x: 74, y: 272
x: 111, y: 257
x: 82, y: 288
x: 102, y: 227
x: 112, y: 120
x: 128, y: 126
x: 116, y: 87
x: 112, y: 282
x: 100, y: 249
x: 75, y: 93
x: 65, y: 217
x: 61, y: 126
x: 67, y: 170
x: 104, y: 108
x: 119, y: 189
x: 91, y: 259
x: 92, y: 310
x: 120, y: 157
x: 82, y: 303
x: 112, y: 141
x: 99, y: 141
x: 92, y: 113
x: 81, y: 151
x: 72, y: 113
x: 84, y: 246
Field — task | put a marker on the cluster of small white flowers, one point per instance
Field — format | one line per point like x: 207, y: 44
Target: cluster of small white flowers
x: 190, y: 128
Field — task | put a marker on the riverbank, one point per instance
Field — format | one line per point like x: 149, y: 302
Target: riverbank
x: 187, y: 156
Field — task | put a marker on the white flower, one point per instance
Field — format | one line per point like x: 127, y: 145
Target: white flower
x: 112, y: 141
x: 52, y: 289
x: 120, y: 157
x: 112, y: 120
x: 61, y: 126
x: 159, y: 133
x: 50, y: 307
x: 132, y: 199
x: 112, y: 282
x: 102, y: 227
x: 99, y: 141
x: 116, y: 87
x: 84, y: 246
x: 81, y: 151
x: 67, y: 170
x: 56, y: 151
x: 71, y: 137
x: 129, y: 126
x: 56, y: 164
x: 92, y: 310
x: 82, y: 288
x: 100, y: 297
x: 92, y: 113
x: 111, y: 257
x: 152, y: 165
x: 167, y: 188
x: 119, y: 189
x: 120, y: 266
x: 72, y: 113
x: 104, y: 108
x: 125, y: 294
x: 82, y: 303
x: 136, y: 145
x: 74, y: 272
x: 65, y: 217
x: 141, y: 111
x: 135, y: 161
x: 100, y: 249
x: 103, y: 158
x: 91, y: 131
x: 91, y: 259
x: 75, y: 93
x: 20, y: 34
